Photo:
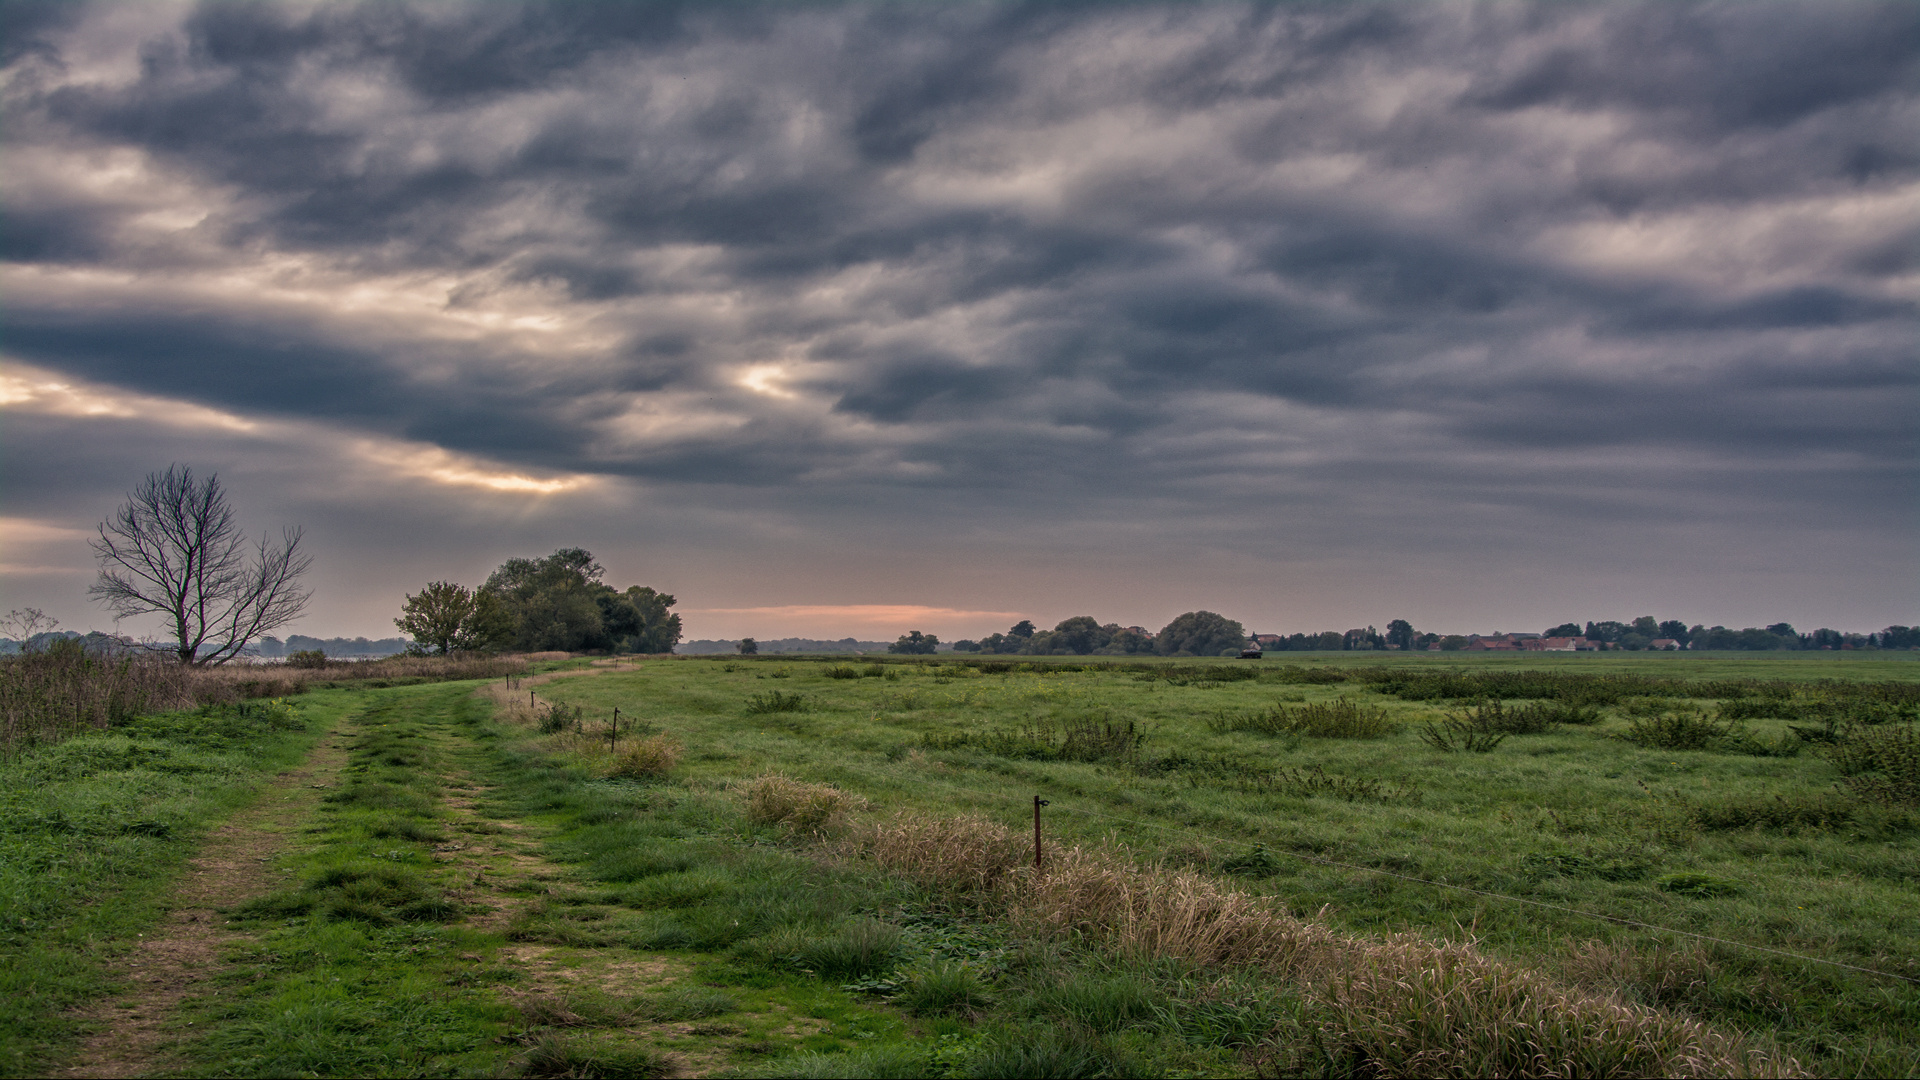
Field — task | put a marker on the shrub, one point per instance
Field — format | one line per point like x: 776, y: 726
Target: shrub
x: 559, y: 717
x: 842, y: 671
x: 1880, y: 764
x: 1473, y: 730
x: 1779, y: 812
x: 1341, y: 719
x: 645, y: 759
x: 1095, y: 737
x: 306, y: 658
x: 777, y: 702
x: 1681, y: 729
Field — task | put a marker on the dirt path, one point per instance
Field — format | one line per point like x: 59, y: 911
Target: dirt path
x: 136, y: 1029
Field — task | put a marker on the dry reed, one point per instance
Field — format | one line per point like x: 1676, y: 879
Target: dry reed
x: 816, y: 809
x: 644, y: 759
x: 51, y: 694
x: 1400, y: 1007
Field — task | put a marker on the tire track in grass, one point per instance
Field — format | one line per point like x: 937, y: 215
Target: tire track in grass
x: 399, y: 942
x: 136, y: 1031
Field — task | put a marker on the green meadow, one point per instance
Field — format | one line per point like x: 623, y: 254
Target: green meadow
x: 1321, y: 864
x: 1746, y: 833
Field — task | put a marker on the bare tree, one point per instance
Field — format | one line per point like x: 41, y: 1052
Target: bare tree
x: 174, y: 550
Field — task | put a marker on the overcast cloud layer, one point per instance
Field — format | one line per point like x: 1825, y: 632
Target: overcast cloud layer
x: 1482, y: 316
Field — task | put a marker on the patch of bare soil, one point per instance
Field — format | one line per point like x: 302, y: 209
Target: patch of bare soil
x: 136, y: 1029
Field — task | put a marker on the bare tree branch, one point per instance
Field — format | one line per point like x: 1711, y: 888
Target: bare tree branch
x: 175, y: 550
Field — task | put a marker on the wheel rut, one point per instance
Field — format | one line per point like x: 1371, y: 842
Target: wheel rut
x: 135, y: 1030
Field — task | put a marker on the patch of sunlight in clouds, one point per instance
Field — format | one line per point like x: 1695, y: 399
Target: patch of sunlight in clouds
x: 29, y: 390
x: 26, y: 389
x: 424, y: 461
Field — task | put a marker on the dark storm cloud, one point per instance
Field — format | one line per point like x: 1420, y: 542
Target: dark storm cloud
x: 1337, y: 256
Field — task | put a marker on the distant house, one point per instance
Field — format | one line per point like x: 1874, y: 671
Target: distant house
x: 1666, y: 643
x: 1492, y: 643
x: 1556, y: 644
x: 1269, y: 641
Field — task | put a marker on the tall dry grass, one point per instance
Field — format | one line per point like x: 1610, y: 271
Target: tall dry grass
x: 1403, y: 1007
x: 814, y: 809
x: 49, y: 695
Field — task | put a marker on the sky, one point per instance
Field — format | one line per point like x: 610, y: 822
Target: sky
x: 845, y: 320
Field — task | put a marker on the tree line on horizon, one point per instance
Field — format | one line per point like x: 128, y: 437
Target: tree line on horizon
x: 1204, y: 633
x: 175, y: 549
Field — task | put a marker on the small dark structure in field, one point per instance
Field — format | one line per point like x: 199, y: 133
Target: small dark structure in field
x: 1252, y: 651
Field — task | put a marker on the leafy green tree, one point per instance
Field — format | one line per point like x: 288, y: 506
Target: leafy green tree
x: 1565, y: 629
x: 1647, y: 626
x: 1675, y: 629
x: 558, y: 602
x: 967, y: 645
x: 749, y: 647
x: 638, y: 620
x: 1400, y: 632
x: 915, y: 644
x: 1606, y: 631
x: 1453, y: 643
x: 1199, y: 633
x: 446, y: 617
x: 1022, y: 629
x: 1124, y: 642
x: 1080, y: 635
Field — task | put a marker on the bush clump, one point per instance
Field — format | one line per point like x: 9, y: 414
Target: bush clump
x: 1680, y: 729
x: 645, y: 759
x: 1881, y: 765
x: 777, y: 702
x: 1340, y: 719
x: 775, y: 799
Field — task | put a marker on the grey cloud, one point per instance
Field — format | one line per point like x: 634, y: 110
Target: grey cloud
x: 1021, y: 253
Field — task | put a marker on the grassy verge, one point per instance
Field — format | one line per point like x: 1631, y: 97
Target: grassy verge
x: 94, y: 830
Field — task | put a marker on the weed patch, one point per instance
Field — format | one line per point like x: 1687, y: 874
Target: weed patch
x: 1340, y: 719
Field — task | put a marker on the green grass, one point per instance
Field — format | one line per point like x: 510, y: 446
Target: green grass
x: 1573, y: 814
x: 355, y: 968
x: 94, y: 830
x: 767, y: 954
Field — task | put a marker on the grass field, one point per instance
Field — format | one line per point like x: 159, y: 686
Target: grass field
x: 1748, y: 840
x: 792, y: 866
